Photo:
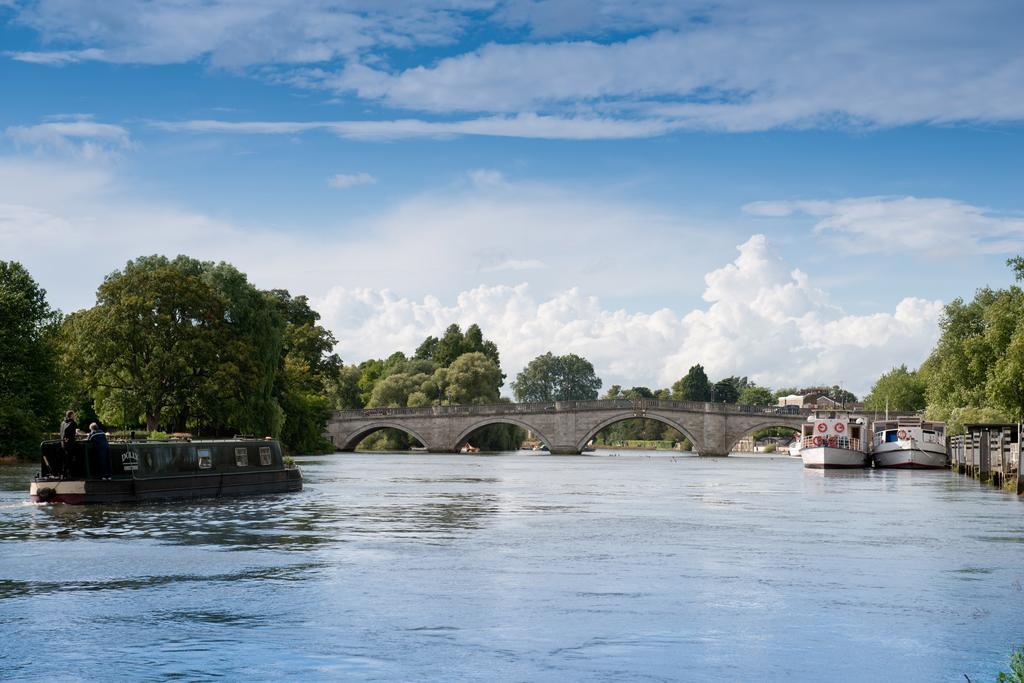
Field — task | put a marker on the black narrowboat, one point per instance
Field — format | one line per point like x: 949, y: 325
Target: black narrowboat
x: 144, y: 470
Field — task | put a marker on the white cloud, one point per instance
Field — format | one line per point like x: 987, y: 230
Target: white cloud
x: 764, y: 320
x: 767, y: 321
x: 749, y: 66
x: 444, y: 241
x: 79, y: 136
x: 908, y: 226
x: 730, y: 65
x: 234, y: 34
x: 761, y: 317
x: 342, y: 181
x: 527, y: 125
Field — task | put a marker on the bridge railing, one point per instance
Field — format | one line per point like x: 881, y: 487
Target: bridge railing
x: 637, y: 405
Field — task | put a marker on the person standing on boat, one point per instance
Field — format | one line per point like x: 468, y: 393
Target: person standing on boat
x: 100, y: 446
x: 68, y: 432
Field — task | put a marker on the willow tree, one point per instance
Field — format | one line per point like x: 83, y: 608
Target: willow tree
x: 182, y: 344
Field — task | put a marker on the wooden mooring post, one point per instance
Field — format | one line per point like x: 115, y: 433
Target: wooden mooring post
x: 989, y: 453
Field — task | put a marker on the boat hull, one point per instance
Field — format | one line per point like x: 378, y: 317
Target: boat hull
x: 139, y: 490
x: 827, y: 457
x: 909, y: 458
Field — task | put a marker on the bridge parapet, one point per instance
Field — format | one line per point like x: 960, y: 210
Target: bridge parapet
x: 565, y: 426
x: 640, y: 405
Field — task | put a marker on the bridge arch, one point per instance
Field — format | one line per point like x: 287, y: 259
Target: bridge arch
x: 756, y: 427
x: 352, y: 440
x: 631, y: 415
x: 495, y: 420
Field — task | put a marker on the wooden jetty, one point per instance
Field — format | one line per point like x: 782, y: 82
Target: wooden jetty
x: 989, y: 453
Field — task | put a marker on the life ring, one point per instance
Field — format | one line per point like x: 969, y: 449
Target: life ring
x: 822, y: 427
x: 833, y: 441
x: 840, y: 426
x: 817, y: 441
x: 902, y: 434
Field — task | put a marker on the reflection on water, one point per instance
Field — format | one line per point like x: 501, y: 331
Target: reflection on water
x: 523, y: 567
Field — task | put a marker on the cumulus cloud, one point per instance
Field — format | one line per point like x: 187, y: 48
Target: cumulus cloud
x: 78, y: 136
x: 342, y: 181
x: 764, y: 320
x: 759, y: 317
x: 913, y: 226
x: 767, y: 320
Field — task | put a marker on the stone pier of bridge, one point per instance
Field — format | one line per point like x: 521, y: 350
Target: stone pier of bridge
x: 565, y: 426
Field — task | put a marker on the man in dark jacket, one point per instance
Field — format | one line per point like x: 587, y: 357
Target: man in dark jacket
x: 68, y: 432
x: 101, y: 448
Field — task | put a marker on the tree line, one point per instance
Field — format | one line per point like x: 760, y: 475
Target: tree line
x: 975, y: 373
x: 183, y: 345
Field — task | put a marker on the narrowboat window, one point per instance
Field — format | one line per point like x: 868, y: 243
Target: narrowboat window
x: 854, y: 432
x: 264, y: 455
x: 891, y: 437
x: 241, y: 457
x: 205, y: 459
x: 927, y: 431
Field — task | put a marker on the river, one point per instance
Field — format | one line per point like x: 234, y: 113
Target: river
x: 523, y: 567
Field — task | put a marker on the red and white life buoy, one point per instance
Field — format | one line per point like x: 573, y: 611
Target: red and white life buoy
x: 822, y: 427
x: 840, y: 426
x: 833, y: 441
x: 817, y: 441
x: 902, y: 434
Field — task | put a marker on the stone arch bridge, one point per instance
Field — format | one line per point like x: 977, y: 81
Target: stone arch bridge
x: 565, y: 426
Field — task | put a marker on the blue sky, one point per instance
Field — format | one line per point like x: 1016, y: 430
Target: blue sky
x: 786, y: 191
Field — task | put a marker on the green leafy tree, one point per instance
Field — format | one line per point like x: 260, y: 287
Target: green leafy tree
x: 155, y: 336
x: 899, y: 389
x: 694, y: 386
x: 753, y: 395
x: 614, y: 392
x: 308, y: 369
x: 472, y: 378
x: 725, y: 391
x: 29, y: 389
x: 557, y: 378
x: 840, y: 395
x: 343, y: 390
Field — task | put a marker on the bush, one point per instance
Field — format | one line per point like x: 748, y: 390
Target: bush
x: 1016, y: 674
x: 770, y: 448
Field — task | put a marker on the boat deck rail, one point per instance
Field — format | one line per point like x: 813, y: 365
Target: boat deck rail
x: 832, y: 442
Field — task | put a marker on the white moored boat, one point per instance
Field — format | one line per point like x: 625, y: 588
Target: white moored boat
x: 909, y: 443
x: 831, y: 438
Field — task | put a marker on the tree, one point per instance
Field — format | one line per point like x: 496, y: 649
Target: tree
x: 840, y: 395
x: 453, y: 343
x: 756, y: 396
x: 899, y: 389
x: 557, y: 378
x: 694, y: 386
x: 725, y: 391
x: 29, y: 391
x: 155, y: 336
x: 308, y: 369
x: 472, y: 378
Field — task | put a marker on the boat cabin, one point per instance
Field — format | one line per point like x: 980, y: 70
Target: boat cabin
x: 833, y: 428
x: 909, y: 428
x: 143, y: 470
x: 140, y: 459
